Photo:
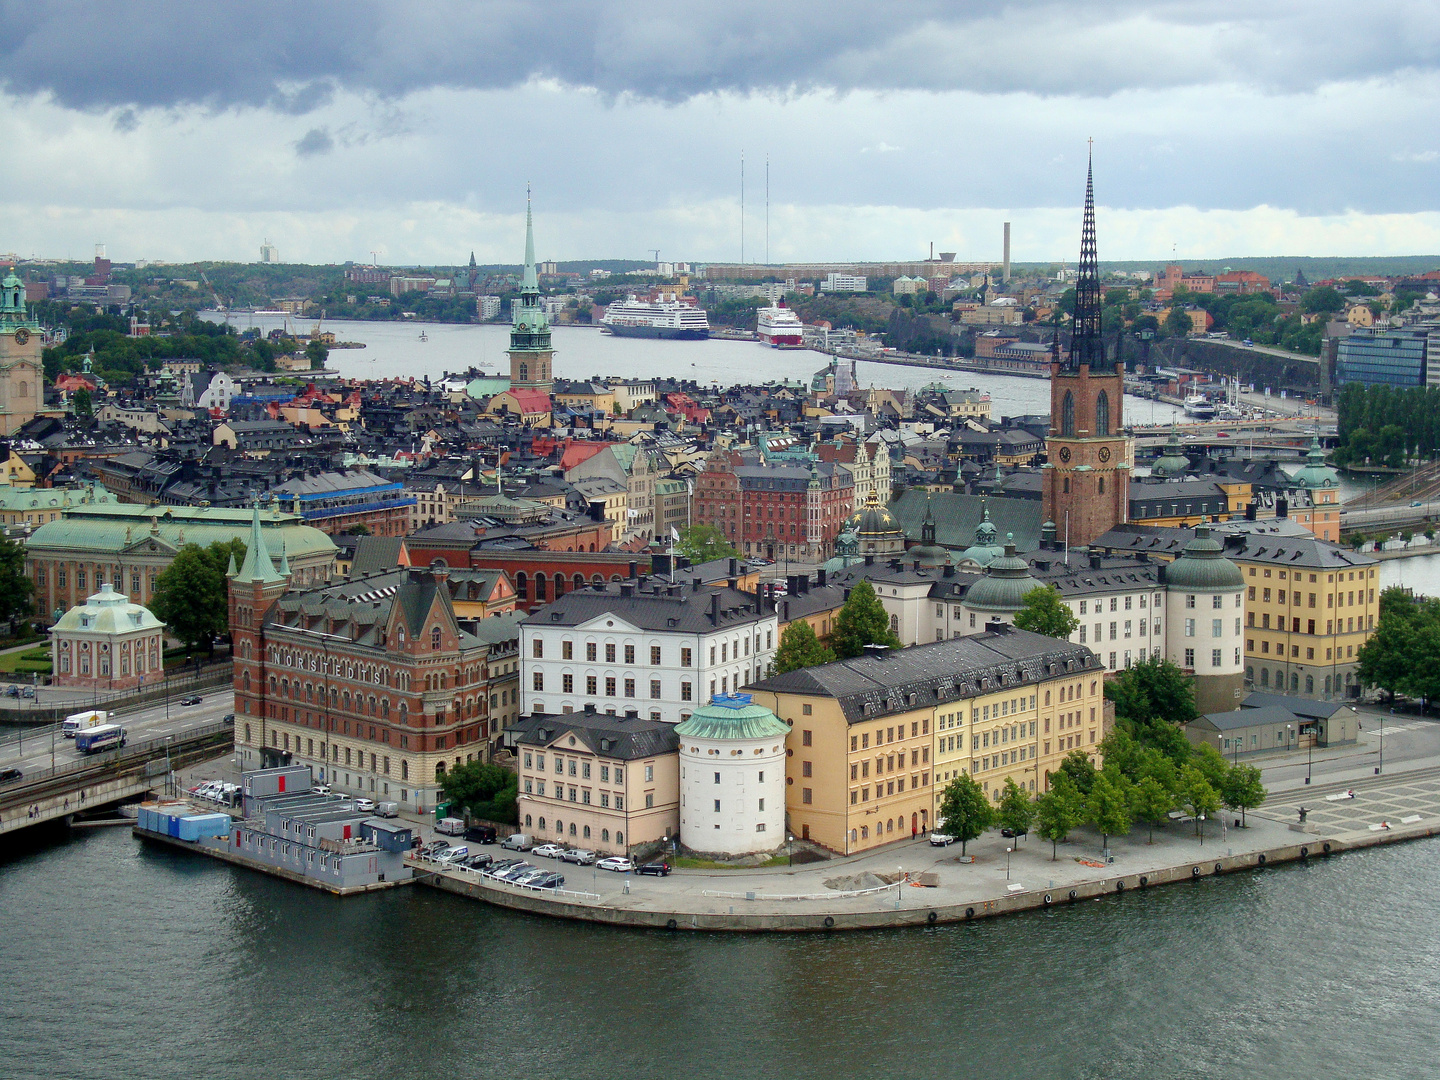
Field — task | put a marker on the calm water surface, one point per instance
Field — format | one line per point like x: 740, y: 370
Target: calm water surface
x: 122, y: 959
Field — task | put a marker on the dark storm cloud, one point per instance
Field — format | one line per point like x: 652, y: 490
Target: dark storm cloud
x: 292, y: 57
x: 315, y: 141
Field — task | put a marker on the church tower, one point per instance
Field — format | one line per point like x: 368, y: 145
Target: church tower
x: 253, y: 589
x: 530, y: 350
x: 22, y: 387
x: 1087, y: 471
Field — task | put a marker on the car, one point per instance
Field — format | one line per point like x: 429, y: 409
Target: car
x: 228, y: 718
x: 516, y: 842
x: 530, y: 876
x: 654, y: 869
x: 9, y: 776
x: 548, y: 880
x: 1011, y: 833
x: 365, y: 804
x: 1247, y: 343
x: 550, y: 851
x: 320, y: 789
x: 481, y: 834
x: 1417, y: 502
x: 387, y: 809
x: 520, y: 869
x: 1222, y: 434
x: 495, y: 869
x: 454, y: 854
x: 12, y: 691
x: 479, y: 860
x: 579, y: 855
x: 616, y: 863
x: 940, y: 839
x: 434, y: 846
x: 193, y: 699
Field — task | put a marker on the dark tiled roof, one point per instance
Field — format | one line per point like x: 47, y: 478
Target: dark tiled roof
x: 626, y: 738
x: 868, y: 687
x: 685, y: 610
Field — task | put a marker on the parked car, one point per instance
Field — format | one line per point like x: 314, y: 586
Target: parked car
x: 520, y: 869
x: 12, y: 691
x: 434, y: 852
x: 940, y: 839
x: 530, y: 876
x: 27, y: 692
x: 1011, y: 833
x: 228, y: 718
x: 479, y: 860
x: 9, y: 776
x: 495, y: 869
x: 517, y: 842
x: 193, y: 699
x: 454, y: 854
x: 481, y: 834
x: 550, y: 851
x: 451, y: 826
x: 579, y: 855
x: 1247, y: 343
x: 654, y: 869
x: 548, y: 880
x: 387, y: 809
x: 365, y: 804
x: 320, y: 789
x: 432, y: 847
x: 618, y: 864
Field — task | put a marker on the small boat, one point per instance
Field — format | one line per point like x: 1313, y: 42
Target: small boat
x: 423, y: 337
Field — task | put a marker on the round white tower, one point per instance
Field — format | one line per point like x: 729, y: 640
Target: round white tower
x: 1205, y: 608
x: 732, y: 777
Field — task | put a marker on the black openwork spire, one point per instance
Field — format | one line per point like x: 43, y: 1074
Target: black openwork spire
x: 1087, y: 346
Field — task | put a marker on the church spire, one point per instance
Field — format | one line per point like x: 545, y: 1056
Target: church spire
x: 258, y: 565
x: 1087, y: 346
x: 529, y: 283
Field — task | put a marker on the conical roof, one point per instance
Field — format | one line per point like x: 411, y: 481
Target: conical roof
x: 258, y: 564
x: 1173, y: 461
x: 1202, y: 565
x: 1315, y: 473
x: 732, y: 716
x: 1007, y: 579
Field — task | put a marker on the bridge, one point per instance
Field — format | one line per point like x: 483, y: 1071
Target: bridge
x: 57, y: 781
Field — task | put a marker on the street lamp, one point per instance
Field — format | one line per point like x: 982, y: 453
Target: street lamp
x: 1008, y: 850
x: 1380, y: 768
x: 1309, y: 753
x: 789, y: 848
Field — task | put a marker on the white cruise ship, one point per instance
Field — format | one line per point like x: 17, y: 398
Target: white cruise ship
x: 779, y: 327
x: 666, y: 318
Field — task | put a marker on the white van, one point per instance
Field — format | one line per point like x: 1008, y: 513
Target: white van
x: 82, y: 721
x: 517, y: 842
x: 387, y: 809
x: 451, y: 826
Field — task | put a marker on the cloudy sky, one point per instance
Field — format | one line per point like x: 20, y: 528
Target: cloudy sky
x: 178, y: 130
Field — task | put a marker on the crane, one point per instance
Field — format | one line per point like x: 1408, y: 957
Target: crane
x: 315, y: 333
x: 656, y: 252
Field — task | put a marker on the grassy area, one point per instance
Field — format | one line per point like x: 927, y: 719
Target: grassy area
x: 683, y: 863
x: 24, y: 663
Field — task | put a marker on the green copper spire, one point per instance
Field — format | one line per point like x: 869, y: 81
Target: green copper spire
x: 529, y: 283
x: 258, y: 564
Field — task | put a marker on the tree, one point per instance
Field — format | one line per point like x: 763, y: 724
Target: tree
x: 15, y: 587
x: 800, y: 648
x: 358, y: 530
x: 1243, y: 790
x: 190, y: 598
x: 1178, y: 322
x: 1059, y: 810
x: 1017, y: 809
x: 1197, y: 796
x: 1153, y: 688
x: 862, y: 621
x: 1108, y: 805
x: 1211, y: 765
x: 1043, y: 613
x: 1081, y: 771
x: 965, y: 810
x: 1150, y: 802
x: 1386, y: 660
x: 1324, y: 299
x: 317, y: 353
x: 82, y: 402
x: 487, y: 791
x: 704, y: 543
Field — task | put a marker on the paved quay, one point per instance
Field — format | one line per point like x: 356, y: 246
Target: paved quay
x: 825, y: 896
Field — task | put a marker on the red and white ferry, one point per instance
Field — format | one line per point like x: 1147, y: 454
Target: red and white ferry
x: 779, y: 327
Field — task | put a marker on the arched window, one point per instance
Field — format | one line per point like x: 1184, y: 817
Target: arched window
x: 579, y: 581
x: 439, y: 771
x: 540, y: 587
x: 1102, y: 414
x: 1067, y: 415
x: 1309, y: 684
x: 1066, y: 488
x: 522, y: 586
x: 1294, y: 683
x: 435, y: 637
x: 1102, y: 485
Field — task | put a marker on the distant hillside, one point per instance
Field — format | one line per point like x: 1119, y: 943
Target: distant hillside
x: 1279, y: 267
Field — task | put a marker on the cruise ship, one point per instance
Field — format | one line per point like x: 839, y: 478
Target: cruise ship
x: 679, y: 317
x: 779, y: 327
x: 1200, y: 407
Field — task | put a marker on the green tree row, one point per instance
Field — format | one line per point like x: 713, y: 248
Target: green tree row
x: 486, y: 791
x: 1387, y: 425
x: 1403, y: 654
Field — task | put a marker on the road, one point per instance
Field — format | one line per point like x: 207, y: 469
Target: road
x: 1410, y: 742
x: 31, y: 748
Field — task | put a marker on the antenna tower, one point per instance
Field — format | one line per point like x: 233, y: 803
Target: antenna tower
x: 742, y: 206
x: 767, y: 209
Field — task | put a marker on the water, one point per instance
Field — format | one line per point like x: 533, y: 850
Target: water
x: 394, y: 350
x: 1419, y: 572
x: 123, y: 959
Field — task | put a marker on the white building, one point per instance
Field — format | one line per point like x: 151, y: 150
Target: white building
x: 843, y: 283
x: 107, y: 643
x: 489, y: 306
x: 645, y: 648
x: 732, y: 777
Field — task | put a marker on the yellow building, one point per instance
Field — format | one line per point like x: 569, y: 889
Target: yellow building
x: 875, y: 739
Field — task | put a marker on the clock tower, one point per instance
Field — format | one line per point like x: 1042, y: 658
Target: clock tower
x: 1088, y: 459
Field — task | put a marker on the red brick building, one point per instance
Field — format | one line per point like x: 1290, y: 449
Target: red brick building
x: 775, y: 511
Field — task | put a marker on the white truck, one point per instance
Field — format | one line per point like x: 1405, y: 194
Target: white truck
x: 83, y: 721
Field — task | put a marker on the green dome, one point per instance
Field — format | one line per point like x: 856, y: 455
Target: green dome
x: 1173, y: 462
x: 732, y: 716
x: 984, y: 550
x: 1007, y: 579
x: 1315, y: 473
x: 1203, y: 566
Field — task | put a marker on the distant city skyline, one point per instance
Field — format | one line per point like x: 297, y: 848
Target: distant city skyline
x: 335, y: 131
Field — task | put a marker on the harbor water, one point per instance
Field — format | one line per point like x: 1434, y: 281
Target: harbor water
x: 394, y: 350
x: 126, y: 959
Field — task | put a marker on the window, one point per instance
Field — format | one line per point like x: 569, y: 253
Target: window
x: 1067, y: 416
x: 1215, y: 658
x: 629, y: 654
x: 1190, y: 658
x: 1102, y: 416
x: 567, y: 684
x: 1190, y: 600
x: 1216, y: 629
x: 610, y: 653
x: 538, y: 681
x: 1189, y: 627
x: 685, y: 659
x: 685, y: 692
x: 590, y: 650
x: 655, y: 655
x: 435, y: 638
x: 654, y: 688
x: 805, y: 737
x: 567, y: 650
x: 591, y: 685
x: 537, y: 649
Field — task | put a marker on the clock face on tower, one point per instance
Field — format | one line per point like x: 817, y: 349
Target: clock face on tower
x: 1104, y: 453
x: 1064, y: 453
x: 22, y: 336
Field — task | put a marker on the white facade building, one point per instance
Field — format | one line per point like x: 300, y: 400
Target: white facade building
x: 648, y: 648
x: 843, y: 283
x: 732, y: 777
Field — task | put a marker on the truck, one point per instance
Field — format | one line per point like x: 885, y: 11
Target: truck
x: 80, y: 721
x: 97, y: 739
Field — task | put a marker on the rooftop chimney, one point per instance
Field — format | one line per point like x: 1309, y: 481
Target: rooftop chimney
x: 634, y: 569
x: 715, y: 608
x: 820, y: 576
x: 995, y: 626
x: 1094, y: 559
